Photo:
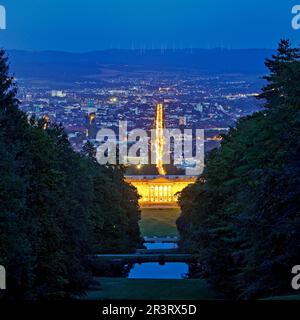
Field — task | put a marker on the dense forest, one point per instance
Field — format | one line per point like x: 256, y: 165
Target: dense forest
x: 57, y: 207
x: 242, y: 217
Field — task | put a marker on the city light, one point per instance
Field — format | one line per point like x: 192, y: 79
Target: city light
x: 92, y: 117
x: 159, y: 141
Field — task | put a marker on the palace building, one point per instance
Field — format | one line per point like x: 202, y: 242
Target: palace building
x: 159, y: 191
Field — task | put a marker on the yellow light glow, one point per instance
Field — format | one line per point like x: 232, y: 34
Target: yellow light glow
x: 46, y: 122
x: 113, y: 99
x: 159, y: 141
x: 160, y: 191
x: 92, y: 117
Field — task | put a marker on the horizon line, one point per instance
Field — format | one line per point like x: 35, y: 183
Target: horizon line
x: 138, y: 49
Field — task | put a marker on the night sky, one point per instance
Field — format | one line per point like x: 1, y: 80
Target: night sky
x: 74, y: 25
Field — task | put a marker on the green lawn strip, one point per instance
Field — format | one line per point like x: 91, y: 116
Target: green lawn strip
x: 159, y: 222
x: 284, y: 298
x: 157, y: 289
x: 140, y: 258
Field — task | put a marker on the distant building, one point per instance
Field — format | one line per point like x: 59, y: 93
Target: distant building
x: 199, y: 107
x: 182, y: 121
x: 58, y: 94
x: 28, y: 97
x: 159, y: 191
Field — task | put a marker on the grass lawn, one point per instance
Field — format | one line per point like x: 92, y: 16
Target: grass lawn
x: 285, y: 298
x: 159, y: 222
x: 140, y: 289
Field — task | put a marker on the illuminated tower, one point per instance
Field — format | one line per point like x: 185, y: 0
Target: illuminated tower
x: 159, y: 138
x: 91, y: 129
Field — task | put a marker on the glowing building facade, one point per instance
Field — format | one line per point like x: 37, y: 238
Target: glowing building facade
x: 158, y: 191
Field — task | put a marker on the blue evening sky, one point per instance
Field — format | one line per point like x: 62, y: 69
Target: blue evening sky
x: 75, y: 25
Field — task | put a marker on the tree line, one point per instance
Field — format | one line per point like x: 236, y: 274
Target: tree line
x: 242, y: 216
x: 57, y: 207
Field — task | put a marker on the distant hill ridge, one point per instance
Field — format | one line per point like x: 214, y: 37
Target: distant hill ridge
x: 56, y: 64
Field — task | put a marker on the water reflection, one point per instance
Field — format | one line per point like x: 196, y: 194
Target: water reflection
x: 154, y: 270
x: 160, y: 245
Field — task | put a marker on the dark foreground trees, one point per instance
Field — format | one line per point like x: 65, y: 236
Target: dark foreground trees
x: 242, y: 217
x: 57, y: 207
